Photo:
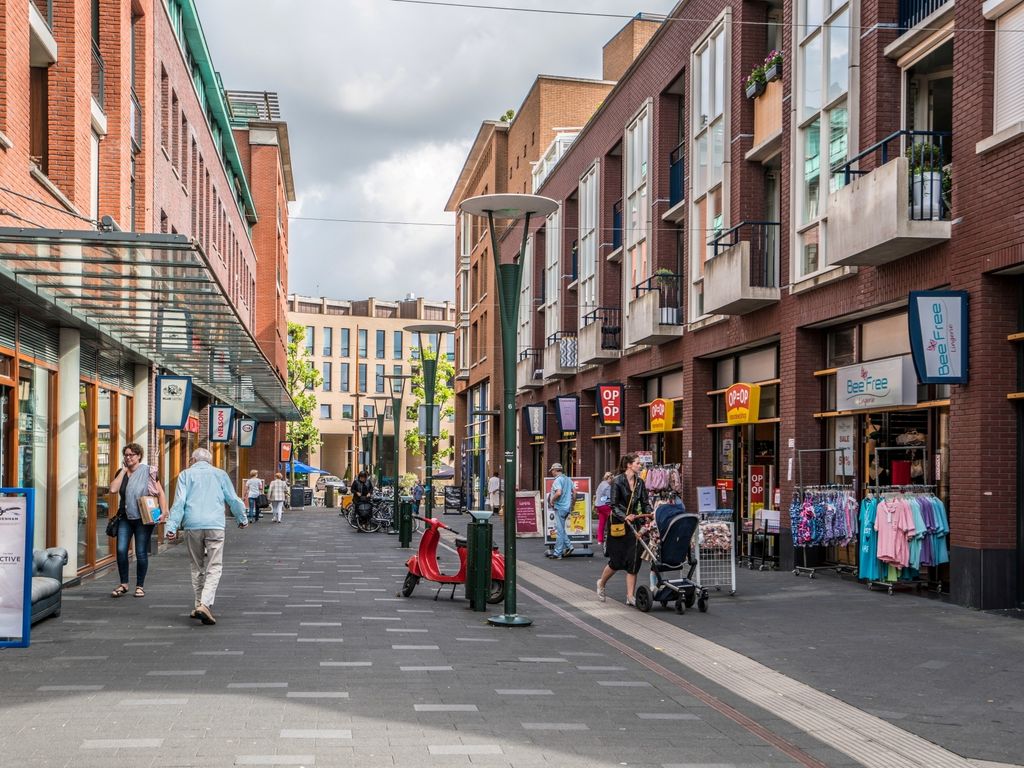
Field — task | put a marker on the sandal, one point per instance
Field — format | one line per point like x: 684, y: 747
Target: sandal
x: 121, y: 590
x: 140, y: 592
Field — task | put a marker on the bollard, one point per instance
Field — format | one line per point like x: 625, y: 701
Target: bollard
x: 478, y: 560
x: 405, y: 523
x: 329, y: 496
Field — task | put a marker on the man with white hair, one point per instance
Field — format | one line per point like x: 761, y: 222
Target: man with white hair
x: 198, y: 509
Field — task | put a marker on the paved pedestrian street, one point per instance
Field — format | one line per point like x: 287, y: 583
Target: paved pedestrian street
x: 315, y: 661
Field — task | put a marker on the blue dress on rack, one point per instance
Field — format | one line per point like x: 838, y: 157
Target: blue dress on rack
x: 870, y: 566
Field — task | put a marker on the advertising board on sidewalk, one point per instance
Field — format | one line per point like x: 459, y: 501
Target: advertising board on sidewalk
x: 528, y: 519
x: 16, y: 510
x: 577, y: 525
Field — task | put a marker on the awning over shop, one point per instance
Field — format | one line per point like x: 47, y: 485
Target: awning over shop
x: 154, y: 294
x: 302, y: 468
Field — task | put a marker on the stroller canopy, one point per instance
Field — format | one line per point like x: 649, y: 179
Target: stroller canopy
x: 676, y: 527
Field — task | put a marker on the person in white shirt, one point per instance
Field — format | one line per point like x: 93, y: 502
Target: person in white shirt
x: 253, y: 489
x: 494, y: 490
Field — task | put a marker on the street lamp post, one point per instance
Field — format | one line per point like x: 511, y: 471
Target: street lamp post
x: 430, y: 338
x: 366, y: 462
x: 380, y: 409
x: 397, y: 383
x: 509, y: 278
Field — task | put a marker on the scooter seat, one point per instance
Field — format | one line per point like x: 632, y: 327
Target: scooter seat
x: 461, y: 541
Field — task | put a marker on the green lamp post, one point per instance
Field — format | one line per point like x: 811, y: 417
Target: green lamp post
x: 397, y: 383
x: 430, y: 337
x: 509, y: 275
x: 380, y: 405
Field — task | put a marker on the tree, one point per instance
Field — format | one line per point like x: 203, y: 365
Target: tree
x: 303, y: 379
x: 444, y: 399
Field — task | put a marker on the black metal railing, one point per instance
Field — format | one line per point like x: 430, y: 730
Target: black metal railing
x: 526, y: 354
x: 913, y: 12
x: 669, y: 287
x: 537, y: 356
x: 675, y: 175
x: 928, y: 152
x: 45, y: 8
x: 617, y: 225
x: 135, y: 123
x: 763, y: 237
x: 575, y: 255
x: 557, y: 337
x: 610, y: 319
x: 99, y: 75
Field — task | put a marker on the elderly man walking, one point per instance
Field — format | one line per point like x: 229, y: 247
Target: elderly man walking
x: 198, y: 509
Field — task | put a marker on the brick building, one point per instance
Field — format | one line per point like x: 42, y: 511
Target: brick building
x: 134, y: 195
x: 713, y: 244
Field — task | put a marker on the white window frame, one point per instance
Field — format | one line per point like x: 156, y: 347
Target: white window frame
x: 525, y: 328
x: 804, y: 226
x: 1006, y: 84
x: 564, y: 137
x: 589, y: 197
x: 636, y: 206
x: 552, y: 273
x: 465, y: 230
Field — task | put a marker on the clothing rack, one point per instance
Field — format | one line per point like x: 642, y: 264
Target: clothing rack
x: 800, y: 570
x: 882, y: 490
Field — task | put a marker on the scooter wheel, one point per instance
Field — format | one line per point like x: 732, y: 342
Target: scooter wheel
x: 411, y: 580
x: 497, y: 593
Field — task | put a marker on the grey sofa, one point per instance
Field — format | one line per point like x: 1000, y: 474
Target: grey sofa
x: 47, y: 581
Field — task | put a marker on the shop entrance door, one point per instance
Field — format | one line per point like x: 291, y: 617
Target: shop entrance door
x: 755, y: 483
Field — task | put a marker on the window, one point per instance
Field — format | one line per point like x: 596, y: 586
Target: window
x: 1009, y: 88
x: 346, y: 411
x: 361, y: 352
x: 450, y: 344
x: 309, y: 339
x: 343, y: 377
x: 379, y: 379
x: 398, y: 350
x: 362, y: 377
x: 525, y: 334
x: 325, y: 410
x: 823, y: 114
x: 327, y: 377
x: 464, y: 290
x: 465, y: 238
x: 396, y: 370
x: 328, y: 342
x: 552, y: 264
x: 381, y: 343
x: 588, y: 240
x: 39, y: 118
x: 368, y: 414
x: 345, y: 338
x: 94, y: 176
x: 637, y: 267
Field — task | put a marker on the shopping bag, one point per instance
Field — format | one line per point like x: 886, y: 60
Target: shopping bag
x: 149, y: 510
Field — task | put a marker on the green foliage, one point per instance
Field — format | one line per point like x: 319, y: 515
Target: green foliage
x: 444, y: 399
x: 303, y: 379
x: 756, y: 77
x: 405, y: 483
x: 507, y: 116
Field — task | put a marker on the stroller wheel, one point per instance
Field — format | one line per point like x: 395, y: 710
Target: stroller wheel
x: 644, y: 599
x: 664, y: 603
x: 690, y: 598
x: 702, y: 604
x: 680, y: 607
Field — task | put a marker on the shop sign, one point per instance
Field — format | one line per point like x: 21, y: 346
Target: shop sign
x: 757, y: 475
x: 845, y: 429
x: 192, y: 425
x: 16, y: 528
x: 577, y: 524
x: 567, y: 409
x: 535, y: 418
x: 528, y: 522
x: 877, y: 384
x: 706, y: 499
x: 938, y: 336
x: 609, y: 399
x: 284, y: 451
x: 246, y: 433
x: 174, y: 330
x: 646, y: 457
x: 724, y: 485
x: 173, y: 399
x: 661, y: 412
x: 742, y: 403
x: 222, y: 419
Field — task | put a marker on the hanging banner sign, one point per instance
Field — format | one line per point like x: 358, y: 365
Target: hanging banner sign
x: 609, y: 404
x: 535, y: 419
x: 877, y: 384
x: 757, y: 476
x: 16, y: 527
x: 284, y: 451
x: 434, y: 428
x: 568, y: 411
x: 222, y: 418
x: 246, y: 433
x: 192, y: 425
x: 173, y: 399
x: 743, y: 404
x: 846, y: 426
x: 661, y: 413
x: 938, y: 336
x: 174, y: 330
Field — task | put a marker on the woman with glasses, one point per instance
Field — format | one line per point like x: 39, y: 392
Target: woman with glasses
x: 629, y: 502
x: 133, y: 480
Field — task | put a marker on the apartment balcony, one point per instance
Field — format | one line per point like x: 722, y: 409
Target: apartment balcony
x: 743, y: 274
x: 560, y: 356
x: 655, y: 313
x: 529, y: 369
x: 895, y: 210
x: 767, y: 123
x: 913, y: 12
x: 676, y: 186
x: 600, y: 338
x: 42, y: 45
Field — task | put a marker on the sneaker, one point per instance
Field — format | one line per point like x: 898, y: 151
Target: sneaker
x: 600, y: 591
x: 568, y: 552
x: 630, y: 601
x: 204, y: 615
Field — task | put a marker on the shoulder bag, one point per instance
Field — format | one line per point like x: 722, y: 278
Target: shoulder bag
x: 618, y: 530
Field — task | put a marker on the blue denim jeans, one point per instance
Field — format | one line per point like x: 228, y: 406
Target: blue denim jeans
x: 254, y: 511
x: 562, y: 544
x: 126, y: 529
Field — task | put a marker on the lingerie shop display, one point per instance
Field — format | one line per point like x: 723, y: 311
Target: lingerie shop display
x: 663, y: 480
x: 824, y: 516
x: 715, y: 535
x: 903, y: 530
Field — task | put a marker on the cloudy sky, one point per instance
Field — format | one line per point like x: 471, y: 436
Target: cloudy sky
x: 383, y: 100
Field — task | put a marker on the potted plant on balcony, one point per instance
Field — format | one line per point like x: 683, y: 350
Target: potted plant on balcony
x: 664, y: 278
x: 926, y: 180
x: 756, y: 82
x: 773, y: 65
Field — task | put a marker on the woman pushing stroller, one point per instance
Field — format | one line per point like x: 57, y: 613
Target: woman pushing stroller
x: 629, y: 502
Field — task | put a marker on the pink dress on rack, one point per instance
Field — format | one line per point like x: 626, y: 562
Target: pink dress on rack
x: 894, y: 523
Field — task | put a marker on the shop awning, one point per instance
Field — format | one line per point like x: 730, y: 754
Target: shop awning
x: 155, y: 295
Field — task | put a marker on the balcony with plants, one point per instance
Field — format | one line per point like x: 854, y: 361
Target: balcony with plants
x: 530, y: 369
x: 764, y: 86
x: 742, y: 275
x: 655, y: 312
x: 905, y: 199
x: 600, y: 337
x: 560, y: 355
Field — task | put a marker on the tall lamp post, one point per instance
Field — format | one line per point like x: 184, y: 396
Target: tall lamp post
x: 380, y: 409
x: 397, y: 383
x: 366, y: 454
x: 509, y: 276
x: 430, y: 337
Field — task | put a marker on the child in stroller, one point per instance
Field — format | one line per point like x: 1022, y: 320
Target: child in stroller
x: 676, y: 527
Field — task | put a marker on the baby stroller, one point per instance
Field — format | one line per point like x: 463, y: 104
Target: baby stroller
x: 676, y: 527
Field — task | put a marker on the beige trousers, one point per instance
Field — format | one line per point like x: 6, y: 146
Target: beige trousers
x: 206, y: 555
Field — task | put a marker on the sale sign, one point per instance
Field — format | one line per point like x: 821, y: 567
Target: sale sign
x: 742, y: 403
x: 609, y: 404
x: 661, y: 413
x: 757, y: 476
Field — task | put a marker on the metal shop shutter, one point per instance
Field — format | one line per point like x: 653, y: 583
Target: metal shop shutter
x: 38, y: 341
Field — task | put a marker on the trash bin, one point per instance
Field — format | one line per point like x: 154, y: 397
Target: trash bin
x: 405, y: 522
x: 329, y: 496
x: 478, y: 560
x: 298, y: 499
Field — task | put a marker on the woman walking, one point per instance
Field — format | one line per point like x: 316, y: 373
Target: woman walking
x: 629, y: 502
x: 278, y: 494
x: 253, y: 490
x: 133, y: 481
x: 603, y: 505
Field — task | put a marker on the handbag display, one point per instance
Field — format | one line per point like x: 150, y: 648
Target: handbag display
x: 149, y: 510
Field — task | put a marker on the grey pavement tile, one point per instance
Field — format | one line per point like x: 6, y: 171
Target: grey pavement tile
x: 346, y: 663
x: 122, y: 743
x: 300, y: 760
x: 440, y: 668
x: 316, y: 733
x: 464, y: 749
x: 445, y: 708
x: 317, y: 694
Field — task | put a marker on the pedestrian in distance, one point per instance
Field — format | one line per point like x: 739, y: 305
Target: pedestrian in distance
x: 253, y: 490
x: 603, y: 505
x: 494, y: 493
x: 629, y: 503
x: 198, y: 509
x: 134, y: 480
x: 561, y: 498
x: 417, y: 496
x: 362, y: 495
x: 278, y: 495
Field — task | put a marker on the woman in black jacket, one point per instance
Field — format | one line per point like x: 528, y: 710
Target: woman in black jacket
x: 629, y: 502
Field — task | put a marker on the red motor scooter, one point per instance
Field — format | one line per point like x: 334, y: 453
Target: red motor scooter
x: 423, y: 565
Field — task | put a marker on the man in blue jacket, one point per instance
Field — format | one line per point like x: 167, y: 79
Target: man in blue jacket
x: 198, y: 509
